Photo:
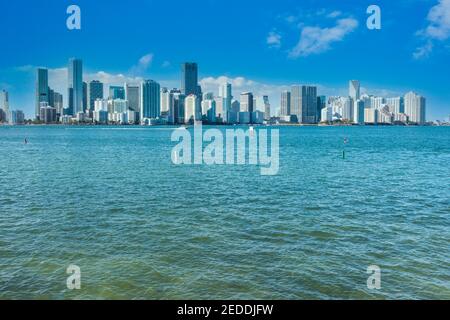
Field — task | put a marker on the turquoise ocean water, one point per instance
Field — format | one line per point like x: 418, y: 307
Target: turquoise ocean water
x: 109, y: 200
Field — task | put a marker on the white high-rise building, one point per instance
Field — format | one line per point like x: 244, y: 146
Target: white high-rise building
x: 358, y: 112
x: 225, y: 91
x: 415, y: 108
x: 354, y: 89
x: 191, y: 109
x: 396, y: 105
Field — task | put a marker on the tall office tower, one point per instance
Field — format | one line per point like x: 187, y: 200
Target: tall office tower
x: 296, y: 103
x: 179, y: 105
x: 304, y: 103
x: 58, y: 102
x: 85, y: 97
x: 209, y: 109
x: 133, y: 95
x: 220, y: 108
x: 4, y: 101
x: 95, y: 92
x: 226, y: 91
x: 376, y: 102
x: 396, y: 105
x: 75, y: 91
x: 150, y: 99
x: 51, y: 97
x: 189, y: 78
x: 165, y: 100
x: 415, y: 108
x: 192, y: 109
x: 116, y: 92
x: 41, y: 89
x: 266, y: 108
x: 321, y: 103
x: 358, y: 112
x: 285, y: 108
x: 247, y: 102
x: 354, y: 89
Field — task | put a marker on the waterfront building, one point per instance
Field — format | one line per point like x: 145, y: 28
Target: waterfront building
x: 396, y: 105
x: 327, y: 114
x: 377, y: 102
x: 47, y: 114
x: 150, y: 99
x: 415, y: 108
x: 221, y: 115
x: 192, y: 109
x: 321, y: 103
x: 358, y: 112
x: 4, y: 104
x: 258, y: 117
x: 95, y: 92
x: 245, y: 117
x: 16, y: 117
x: 371, y: 115
x: 41, y: 89
x: 165, y: 98
x: 209, y: 110
x: 85, y: 97
x: 133, y: 96
x: 189, y: 78
x: 285, y: 107
x: 385, y: 116
x: 100, y: 116
x: 267, y: 114
x: 179, y: 106
x: 75, y: 90
x: 304, y: 103
x: 58, y: 103
x: 116, y: 92
x: 354, y: 90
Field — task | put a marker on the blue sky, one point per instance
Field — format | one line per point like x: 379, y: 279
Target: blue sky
x: 264, y: 46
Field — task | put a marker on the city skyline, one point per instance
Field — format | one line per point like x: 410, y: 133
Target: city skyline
x: 239, y: 51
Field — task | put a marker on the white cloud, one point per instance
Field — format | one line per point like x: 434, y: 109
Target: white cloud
x: 143, y: 64
x: 334, y: 14
x: 423, y: 51
x: 274, y: 39
x: 166, y: 64
x: 315, y: 40
x: 438, y: 28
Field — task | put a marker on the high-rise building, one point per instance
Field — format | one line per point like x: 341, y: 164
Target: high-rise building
x: 85, y: 97
x: 58, y: 102
x: 41, y: 89
x: 415, y: 108
x: 304, y: 103
x: 116, y: 92
x: 192, y: 111
x: 266, y: 108
x: 75, y: 91
x: 179, y: 106
x: 225, y: 91
x: 4, y: 102
x: 247, y: 102
x: 396, y: 105
x: 47, y: 114
x: 95, y: 92
x: 321, y: 103
x: 165, y: 100
x: 285, y: 107
x: 132, y: 94
x: 16, y: 117
x: 354, y: 90
x: 189, y: 78
x: 150, y: 100
x: 358, y: 112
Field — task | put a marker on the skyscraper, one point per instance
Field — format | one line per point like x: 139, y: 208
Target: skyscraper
x: 266, y: 108
x: 304, y: 103
x: 354, y: 90
x: 150, y: 99
x: 132, y: 94
x: 75, y: 91
x: 4, y: 104
x: 192, y: 109
x: 285, y: 108
x: 95, y: 92
x: 85, y: 97
x: 117, y: 92
x: 189, y: 78
x: 247, y: 102
x: 358, y: 112
x: 41, y: 89
x: 415, y: 108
